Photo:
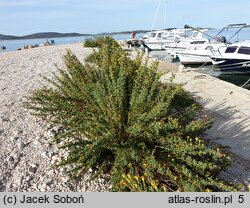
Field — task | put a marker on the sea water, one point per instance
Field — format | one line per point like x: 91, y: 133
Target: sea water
x: 12, y: 45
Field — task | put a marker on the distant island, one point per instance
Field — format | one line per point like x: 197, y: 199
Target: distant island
x: 61, y: 35
x: 41, y: 35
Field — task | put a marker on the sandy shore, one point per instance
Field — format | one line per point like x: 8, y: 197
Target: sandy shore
x: 25, y: 154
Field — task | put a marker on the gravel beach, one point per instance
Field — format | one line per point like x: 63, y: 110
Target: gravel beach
x: 26, y: 155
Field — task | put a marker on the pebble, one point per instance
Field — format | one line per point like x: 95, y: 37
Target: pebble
x: 20, y: 181
x: 62, y: 169
x: 54, y: 159
x: 36, y: 142
x: 49, y: 183
x: 1, y: 131
x: 51, y: 172
x: 33, y: 168
x: 28, y: 178
x: 101, y: 180
x: 10, y: 159
x: 14, y: 138
x: 44, y: 154
x: 51, y: 154
x: 65, y: 179
x: 20, y: 145
x: 44, y: 187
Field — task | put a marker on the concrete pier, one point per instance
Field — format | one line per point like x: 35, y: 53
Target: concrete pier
x: 228, y: 104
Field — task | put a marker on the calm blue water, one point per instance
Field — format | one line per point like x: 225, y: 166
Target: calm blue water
x: 12, y: 45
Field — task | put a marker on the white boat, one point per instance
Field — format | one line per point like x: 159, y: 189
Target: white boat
x: 198, y: 54
x: 234, y: 58
x: 156, y: 39
x: 202, y: 53
x: 181, y: 43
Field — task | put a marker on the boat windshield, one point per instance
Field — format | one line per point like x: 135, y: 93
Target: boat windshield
x: 159, y: 35
x: 152, y: 35
x: 244, y: 50
x: 231, y: 49
x: 209, y: 48
x: 188, y: 33
x: 195, y: 34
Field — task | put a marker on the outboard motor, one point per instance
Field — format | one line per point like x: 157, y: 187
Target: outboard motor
x: 222, y: 39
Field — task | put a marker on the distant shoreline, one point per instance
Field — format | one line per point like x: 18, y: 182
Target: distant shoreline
x: 62, y: 35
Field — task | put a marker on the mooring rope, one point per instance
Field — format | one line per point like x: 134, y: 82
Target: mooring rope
x: 245, y: 83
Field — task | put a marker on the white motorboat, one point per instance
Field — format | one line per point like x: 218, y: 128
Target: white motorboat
x: 181, y: 43
x: 234, y: 58
x: 198, y: 54
x: 156, y: 39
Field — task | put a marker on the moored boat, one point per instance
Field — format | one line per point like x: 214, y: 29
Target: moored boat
x: 234, y: 59
x: 181, y: 43
x: 155, y: 40
x: 199, y: 54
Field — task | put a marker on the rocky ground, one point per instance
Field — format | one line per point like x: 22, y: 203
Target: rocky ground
x: 26, y: 155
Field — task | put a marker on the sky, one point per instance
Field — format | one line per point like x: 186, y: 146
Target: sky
x: 22, y: 17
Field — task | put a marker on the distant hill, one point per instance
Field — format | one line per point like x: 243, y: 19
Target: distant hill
x: 51, y: 35
x: 123, y: 32
x: 41, y: 35
x: 61, y: 35
x: 7, y: 37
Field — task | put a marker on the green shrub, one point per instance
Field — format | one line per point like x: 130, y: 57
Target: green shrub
x: 99, y: 41
x: 119, y: 119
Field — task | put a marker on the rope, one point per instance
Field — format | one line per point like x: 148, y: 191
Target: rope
x: 200, y: 76
x: 202, y: 65
x: 245, y: 83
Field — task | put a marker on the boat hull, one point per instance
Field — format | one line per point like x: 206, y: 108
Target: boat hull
x: 192, y: 59
x: 232, y: 65
x: 154, y: 46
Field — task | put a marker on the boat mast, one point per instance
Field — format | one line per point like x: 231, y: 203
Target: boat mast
x: 165, y: 19
x: 156, y: 14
